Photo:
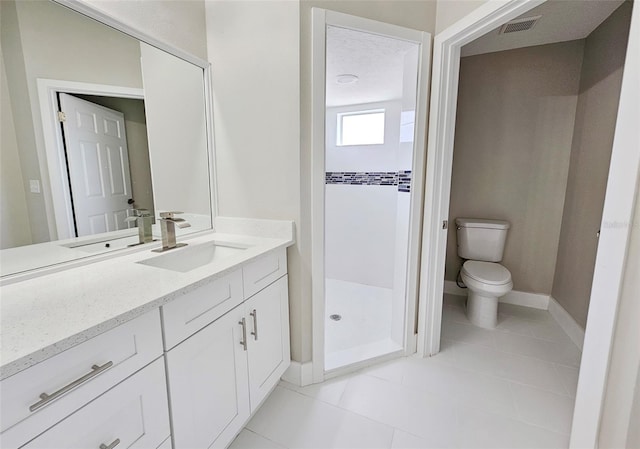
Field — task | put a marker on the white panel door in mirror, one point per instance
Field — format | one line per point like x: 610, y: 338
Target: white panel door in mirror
x: 98, y: 161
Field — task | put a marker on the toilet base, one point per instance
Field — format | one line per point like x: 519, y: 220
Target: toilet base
x: 482, y: 311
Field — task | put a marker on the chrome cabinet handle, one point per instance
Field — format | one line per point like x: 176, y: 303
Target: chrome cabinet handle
x: 112, y: 445
x: 243, y: 323
x: 46, y: 398
x: 254, y: 314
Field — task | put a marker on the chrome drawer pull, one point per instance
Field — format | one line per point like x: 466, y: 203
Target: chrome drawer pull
x: 46, y: 398
x: 243, y: 323
x: 112, y: 445
x: 254, y: 314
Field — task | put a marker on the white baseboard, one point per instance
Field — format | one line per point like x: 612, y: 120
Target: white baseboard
x: 526, y: 299
x: 534, y: 300
x: 566, y: 322
x: 451, y: 288
x: 300, y: 374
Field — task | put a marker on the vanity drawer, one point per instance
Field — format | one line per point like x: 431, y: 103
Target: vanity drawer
x: 193, y: 311
x: 75, y: 377
x: 263, y: 271
x: 134, y: 414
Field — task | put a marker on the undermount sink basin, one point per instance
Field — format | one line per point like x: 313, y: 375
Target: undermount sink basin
x: 196, y: 256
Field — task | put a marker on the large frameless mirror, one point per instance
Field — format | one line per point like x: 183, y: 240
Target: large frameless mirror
x: 96, y: 125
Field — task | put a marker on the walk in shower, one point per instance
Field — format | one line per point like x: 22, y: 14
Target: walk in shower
x: 371, y: 83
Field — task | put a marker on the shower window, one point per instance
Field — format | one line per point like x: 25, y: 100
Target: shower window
x: 361, y: 128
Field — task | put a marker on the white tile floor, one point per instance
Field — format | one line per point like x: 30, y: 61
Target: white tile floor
x: 364, y: 331
x: 509, y: 388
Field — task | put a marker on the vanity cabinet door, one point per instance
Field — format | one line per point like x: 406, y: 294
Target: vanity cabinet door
x: 267, y: 315
x: 207, y: 376
x: 133, y: 414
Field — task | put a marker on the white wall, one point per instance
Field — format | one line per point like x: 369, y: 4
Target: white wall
x: 254, y: 49
x: 360, y: 229
x: 360, y: 220
x: 364, y: 158
x: 175, y: 113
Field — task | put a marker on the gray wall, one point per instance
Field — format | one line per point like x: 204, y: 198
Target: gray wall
x: 600, y: 82
x: 108, y: 57
x: 15, y: 229
x: 177, y: 22
x: 514, y: 127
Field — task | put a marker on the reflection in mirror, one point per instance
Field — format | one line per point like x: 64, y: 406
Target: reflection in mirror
x: 132, y: 135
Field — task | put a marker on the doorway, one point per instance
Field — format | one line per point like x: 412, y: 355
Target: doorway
x: 367, y: 179
x: 126, y: 101
x: 618, y: 206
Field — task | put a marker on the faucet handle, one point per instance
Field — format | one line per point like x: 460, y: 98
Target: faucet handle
x: 169, y: 214
x: 139, y: 213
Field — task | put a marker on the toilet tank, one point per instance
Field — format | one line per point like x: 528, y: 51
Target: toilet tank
x: 480, y: 239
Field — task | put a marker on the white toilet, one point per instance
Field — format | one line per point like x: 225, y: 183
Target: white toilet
x: 481, y: 244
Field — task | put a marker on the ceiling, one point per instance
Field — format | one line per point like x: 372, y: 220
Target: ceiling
x: 561, y: 21
x: 377, y: 61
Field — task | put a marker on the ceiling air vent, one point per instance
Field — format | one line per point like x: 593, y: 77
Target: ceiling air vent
x: 519, y: 25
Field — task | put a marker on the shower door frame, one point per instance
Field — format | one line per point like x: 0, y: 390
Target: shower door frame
x: 624, y: 175
x: 320, y: 19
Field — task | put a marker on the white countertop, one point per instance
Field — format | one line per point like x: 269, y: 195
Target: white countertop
x: 45, y: 315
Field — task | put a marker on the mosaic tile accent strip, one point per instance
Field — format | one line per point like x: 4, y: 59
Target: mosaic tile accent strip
x: 402, y: 179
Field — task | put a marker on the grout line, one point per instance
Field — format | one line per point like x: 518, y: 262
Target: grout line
x: 540, y: 339
x: 264, y: 437
x: 463, y: 367
x: 562, y: 381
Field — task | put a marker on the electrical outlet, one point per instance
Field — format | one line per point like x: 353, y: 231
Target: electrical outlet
x: 34, y: 186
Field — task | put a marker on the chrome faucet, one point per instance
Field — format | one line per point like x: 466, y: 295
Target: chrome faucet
x: 168, y: 225
x: 142, y: 218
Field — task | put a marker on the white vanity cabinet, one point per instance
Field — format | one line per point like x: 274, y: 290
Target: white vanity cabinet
x: 41, y: 396
x: 133, y: 414
x: 267, y: 340
x: 220, y: 375
x: 208, y: 378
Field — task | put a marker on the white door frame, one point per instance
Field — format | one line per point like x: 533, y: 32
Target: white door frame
x: 58, y: 205
x: 616, y: 219
x: 320, y: 19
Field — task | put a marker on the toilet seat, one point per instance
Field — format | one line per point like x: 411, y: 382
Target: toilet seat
x: 490, y: 273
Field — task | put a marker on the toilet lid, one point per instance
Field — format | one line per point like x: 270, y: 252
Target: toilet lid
x: 487, y: 272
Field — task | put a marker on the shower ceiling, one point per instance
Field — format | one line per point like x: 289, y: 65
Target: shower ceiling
x: 377, y: 61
